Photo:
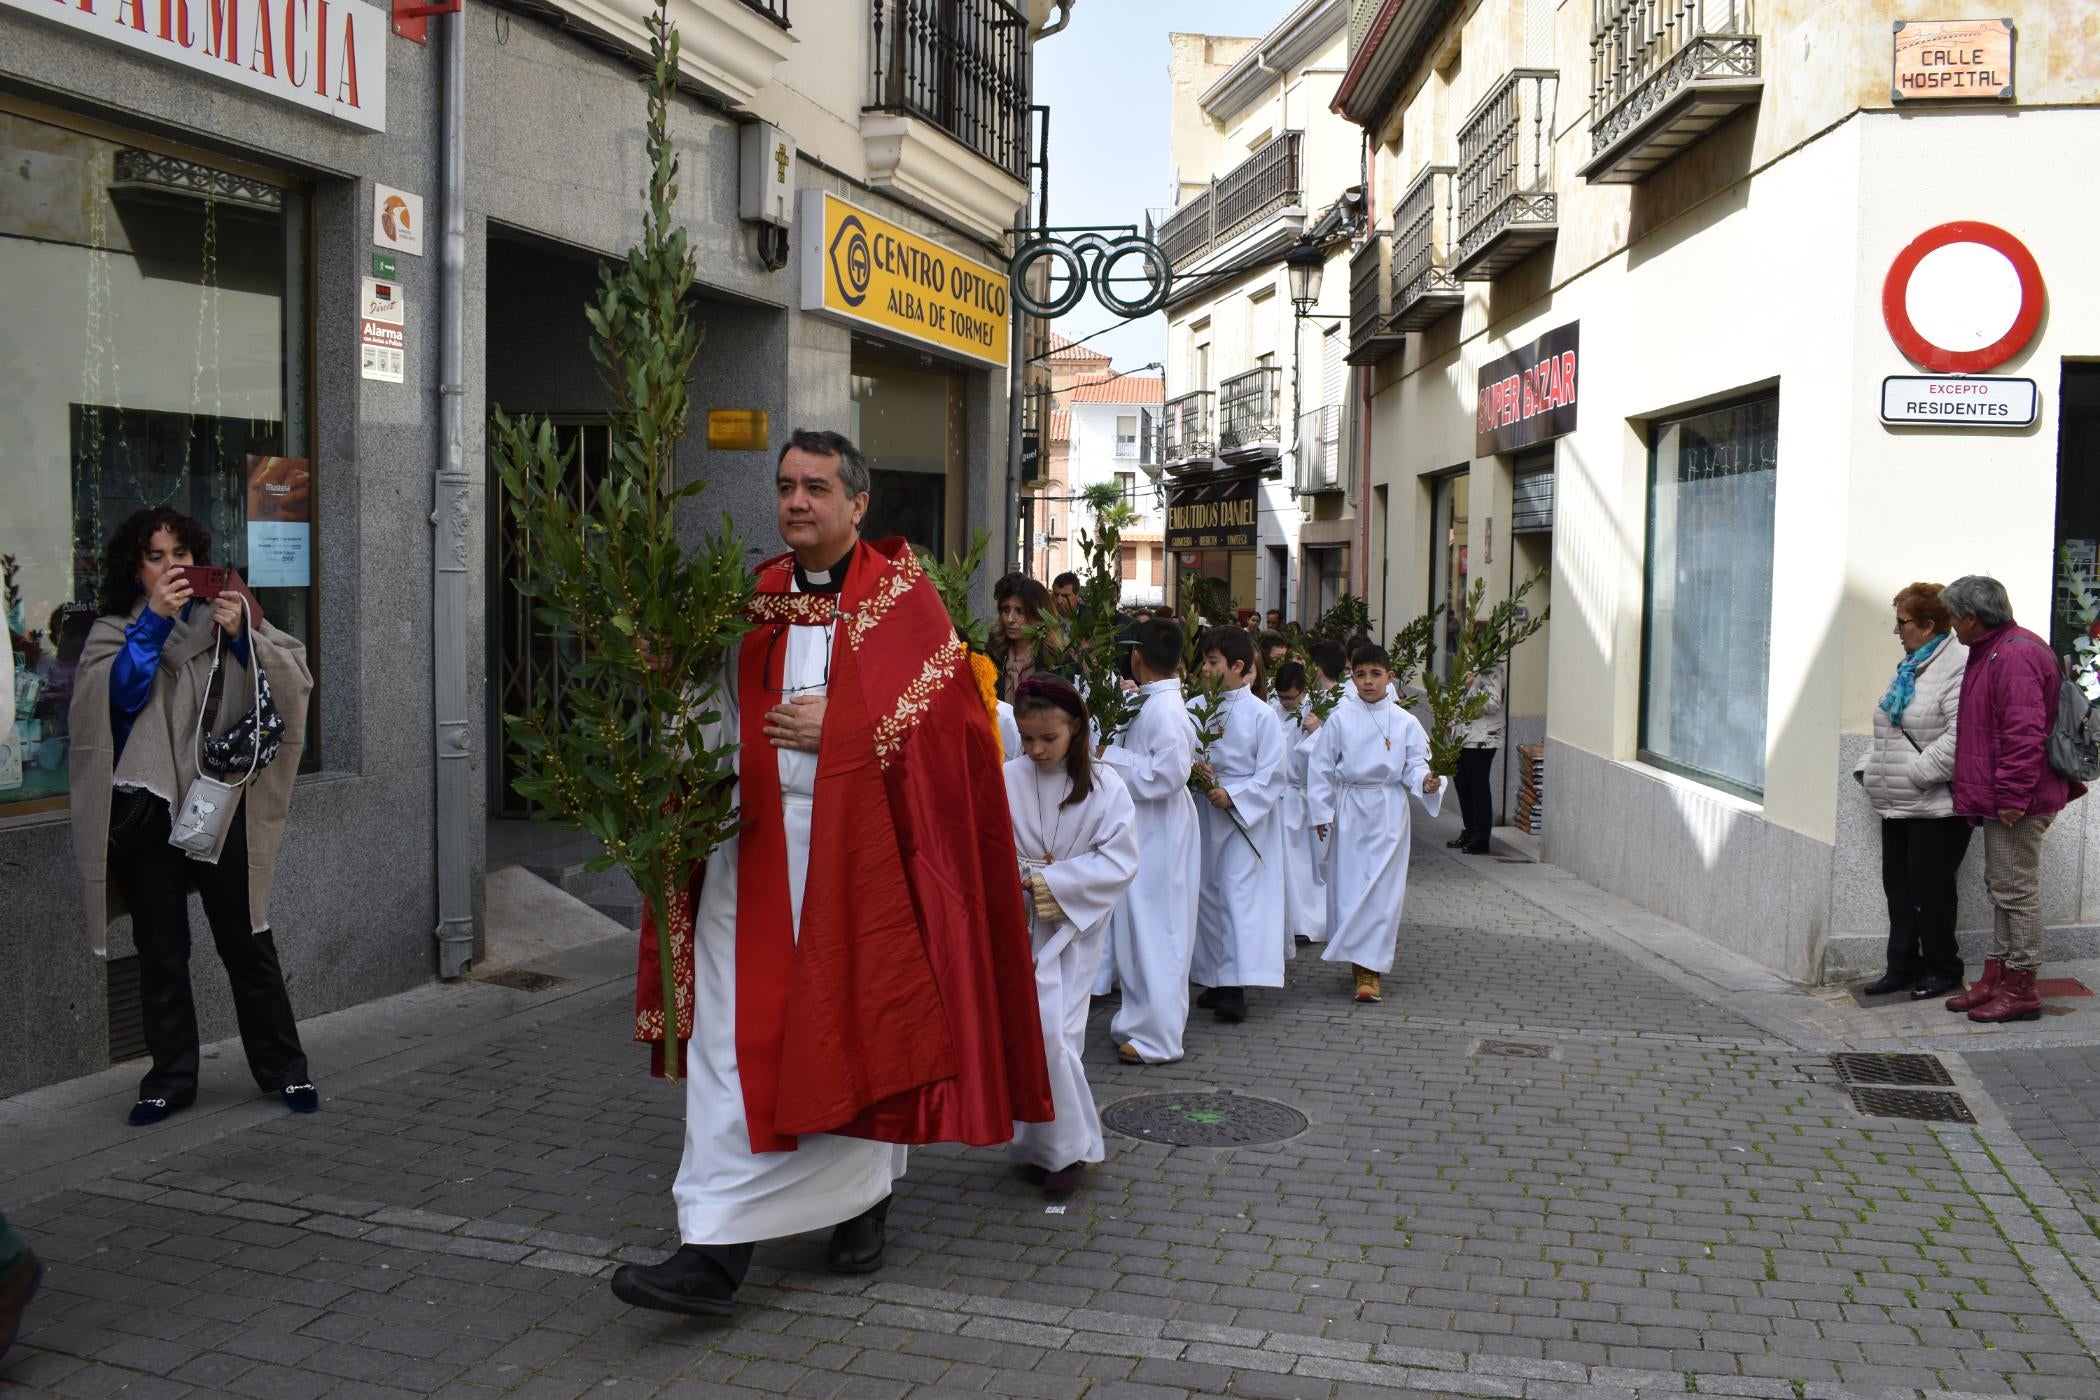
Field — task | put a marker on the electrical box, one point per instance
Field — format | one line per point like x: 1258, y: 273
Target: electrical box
x: 766, y: 169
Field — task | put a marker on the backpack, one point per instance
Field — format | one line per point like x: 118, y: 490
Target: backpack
x: 2074, y: 749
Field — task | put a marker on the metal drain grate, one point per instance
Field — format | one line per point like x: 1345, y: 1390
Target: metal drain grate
x: 1921, y: 1105
x: 1892, y: 1069
x: 127, y: 1013
x: 1204, y: 1120
x: 523, y: 980
x: 1514, y: 1049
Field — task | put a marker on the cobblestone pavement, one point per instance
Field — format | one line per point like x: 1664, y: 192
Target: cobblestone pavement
x: 1673, y: 1201
x: 2052, y: 1098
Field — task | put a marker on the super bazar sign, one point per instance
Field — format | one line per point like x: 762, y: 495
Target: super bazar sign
x: 1528, y: 396
x: 325, y: 55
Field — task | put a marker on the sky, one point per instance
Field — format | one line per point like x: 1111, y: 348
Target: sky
x: 1105, y: 81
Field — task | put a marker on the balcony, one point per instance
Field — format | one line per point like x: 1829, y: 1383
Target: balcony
x: 1371, y: 335
x: 1507, y: 208
x: 1320, y: 452
x: 1662, y: 75
x: 774, y: 10
x: 1187, y: 433
x: 1424, y: 289
x: 728, y: 48
x: 1250, y: 414
x: 946, y: 125
x: 1265, y: 183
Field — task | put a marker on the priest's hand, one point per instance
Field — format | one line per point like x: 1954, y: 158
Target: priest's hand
x: 1219, y: 798
x: 1047, y: 908
x: 797, y: 724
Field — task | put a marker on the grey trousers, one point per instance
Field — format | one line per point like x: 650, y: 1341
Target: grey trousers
x: 2012, y: 875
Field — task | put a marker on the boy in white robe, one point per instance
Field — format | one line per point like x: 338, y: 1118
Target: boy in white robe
x: 1075, y: 834
x: 1241, y: 908
x: 1153, y: 931
x: 1369, y: 755
x: 1304, y: 892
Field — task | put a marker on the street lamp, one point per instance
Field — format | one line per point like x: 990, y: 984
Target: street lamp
x: 1307, y: 263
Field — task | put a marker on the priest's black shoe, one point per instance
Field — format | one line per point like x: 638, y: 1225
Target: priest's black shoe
x: 1208, y: 997
x: 1933, y: 987
x: 856, y: 1244
x: 1229, y: 1004
x: 1889, y: 982
x: 1457, y: 842
x: 688, y: 1282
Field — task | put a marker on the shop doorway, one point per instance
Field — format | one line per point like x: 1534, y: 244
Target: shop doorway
x: 1450, y: 563
x: 1522, y: 788
x: 911, y: 421
x: 2077, y: 488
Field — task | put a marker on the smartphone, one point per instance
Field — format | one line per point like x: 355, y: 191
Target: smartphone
x: 207, y: 581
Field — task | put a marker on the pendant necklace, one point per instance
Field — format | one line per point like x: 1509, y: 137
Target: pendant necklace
x: 1385, y: 731
x: 1041, y: 822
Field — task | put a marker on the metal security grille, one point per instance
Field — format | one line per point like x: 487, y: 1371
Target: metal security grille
x: 1204, y: 1120
x: 1919, y: 1105
x: 1531, y: 510
x: 127, y: 1015
x: 1892, y: 1069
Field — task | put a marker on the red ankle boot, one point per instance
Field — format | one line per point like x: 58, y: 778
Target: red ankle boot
x: 2016, y: 999
x: 1982, y: 990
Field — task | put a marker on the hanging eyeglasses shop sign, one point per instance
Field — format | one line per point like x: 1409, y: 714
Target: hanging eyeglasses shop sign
x: 1215, y: 514
x: 325, y: 55
x: 862, y: 269
x: 1528, y: 396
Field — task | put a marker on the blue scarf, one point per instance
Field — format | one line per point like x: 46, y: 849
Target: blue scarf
x: 1904, y: 688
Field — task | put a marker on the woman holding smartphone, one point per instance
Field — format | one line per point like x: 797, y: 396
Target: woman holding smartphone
x: 143, y: 679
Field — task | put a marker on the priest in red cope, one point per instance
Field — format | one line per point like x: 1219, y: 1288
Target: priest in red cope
x: 858, y: 954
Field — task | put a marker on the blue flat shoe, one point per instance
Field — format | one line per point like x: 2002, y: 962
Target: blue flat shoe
x: 302, y: 1098
x: 146, y: 1112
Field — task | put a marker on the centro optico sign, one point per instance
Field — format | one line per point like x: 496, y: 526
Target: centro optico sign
x: 861, y: 268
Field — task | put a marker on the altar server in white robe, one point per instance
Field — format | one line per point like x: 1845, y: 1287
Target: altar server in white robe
x: 1239, y: 918
x: 1075, y: 834
x: 1153, y: 931
x: 1369, y: 755
x: 1304, y: 893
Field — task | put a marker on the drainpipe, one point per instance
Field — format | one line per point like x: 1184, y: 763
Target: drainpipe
x: 451, y: 511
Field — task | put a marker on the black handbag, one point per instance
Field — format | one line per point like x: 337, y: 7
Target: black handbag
x: 236, y: 749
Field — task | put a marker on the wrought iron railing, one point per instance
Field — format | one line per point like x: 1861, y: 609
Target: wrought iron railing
x: 960, y: 64
x: 1505, y: 160
x: 1269, y: 180
x: 1643, y: 51
x: 774, y: 10
x: 1320, y: 450
x: 1422, y: 229
x: 1249, y: 409
x: 1370, y: 291
x: 1187, y: 431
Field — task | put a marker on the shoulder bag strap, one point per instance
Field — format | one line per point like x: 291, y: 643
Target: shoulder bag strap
x: 255, y: 674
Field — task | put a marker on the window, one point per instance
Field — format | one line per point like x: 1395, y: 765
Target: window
x: 1126, y: 483
x: 1706, y: 624
x: 1126, y: 435
x: 1128, y: 563
x: 156, y: 349
x: 1159, y: 566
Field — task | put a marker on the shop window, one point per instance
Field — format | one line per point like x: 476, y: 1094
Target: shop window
x: 155, y: 346
x: 1706, y: 625
x: 911, y: 422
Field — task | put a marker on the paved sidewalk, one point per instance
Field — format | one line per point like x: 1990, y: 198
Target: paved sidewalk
x: 1679, y: 1199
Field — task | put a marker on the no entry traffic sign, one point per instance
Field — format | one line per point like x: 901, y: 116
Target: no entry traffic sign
x: 1963, y: 298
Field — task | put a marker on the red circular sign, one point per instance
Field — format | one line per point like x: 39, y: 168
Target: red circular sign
x: 1963, y: 298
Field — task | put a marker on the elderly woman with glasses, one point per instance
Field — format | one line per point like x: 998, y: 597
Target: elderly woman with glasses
x: 1907, y: 772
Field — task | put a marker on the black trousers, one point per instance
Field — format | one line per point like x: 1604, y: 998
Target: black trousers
x: 156, y: 880
x: 1920, y: 857
x: 1476, y: 797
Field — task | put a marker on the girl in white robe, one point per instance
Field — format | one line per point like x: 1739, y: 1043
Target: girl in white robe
x: 1368, y: 756
x: 1075, y: 834
x: 1304, y: 889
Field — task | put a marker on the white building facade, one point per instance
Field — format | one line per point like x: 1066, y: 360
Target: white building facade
x: 1114, y: 439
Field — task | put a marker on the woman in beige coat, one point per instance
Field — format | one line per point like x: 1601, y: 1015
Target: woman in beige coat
x: 1907, y: 771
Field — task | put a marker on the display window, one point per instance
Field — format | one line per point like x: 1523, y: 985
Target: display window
x: 154, y: 353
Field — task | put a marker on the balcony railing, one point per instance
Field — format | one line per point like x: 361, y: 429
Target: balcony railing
x: 1662, y: 74
x: 1320, y: 451
x: 1424, y: 291
x: 1269, y: 180
x: 1250, y: 410
x: 774, y: 10
x: 961, y: 65
x: 1187, y: 431
x: 1507, y: 207
x: 1371, y: 336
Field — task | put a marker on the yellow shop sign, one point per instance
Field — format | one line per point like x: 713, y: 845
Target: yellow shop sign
x: 865, y: 269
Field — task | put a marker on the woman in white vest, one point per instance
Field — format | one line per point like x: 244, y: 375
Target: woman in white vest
x: 1906, y: 771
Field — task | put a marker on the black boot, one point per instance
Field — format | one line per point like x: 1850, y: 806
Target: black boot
x: 856, y: 1244
x: 1229, y: 1004
x: 699, y: 1280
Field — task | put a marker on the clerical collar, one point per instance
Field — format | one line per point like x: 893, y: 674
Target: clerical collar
x: 829, y: 580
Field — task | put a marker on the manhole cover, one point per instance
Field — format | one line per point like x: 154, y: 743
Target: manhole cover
x: 1515, y: 1049
x: 1891, y: 1069
x: 522, y: 980
x: 1204, y: 1120
x: 1924, y: 1105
